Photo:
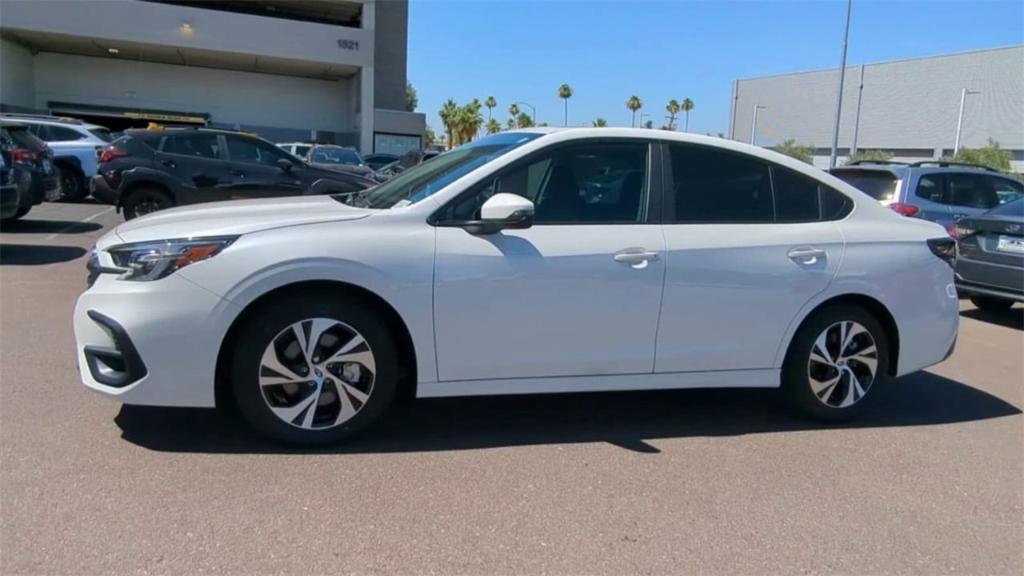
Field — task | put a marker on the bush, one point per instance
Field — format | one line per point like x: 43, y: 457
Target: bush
x: 992, y: 156
x: 793, y: 150
x: 870, y: 155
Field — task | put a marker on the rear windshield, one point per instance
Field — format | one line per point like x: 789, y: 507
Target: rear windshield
x: 102, y: 134
x: 1011, y: 208
x: 878, y: 184
x: 20, y: 137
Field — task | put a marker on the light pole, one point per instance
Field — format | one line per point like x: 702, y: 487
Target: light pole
x: 960, y: 117
x: 753, y: 123
x: 532, y: 109
x: 839, y: 96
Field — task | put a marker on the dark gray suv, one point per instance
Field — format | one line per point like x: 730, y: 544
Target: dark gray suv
x: 940, y: 191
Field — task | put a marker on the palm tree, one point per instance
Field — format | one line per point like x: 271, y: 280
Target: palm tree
x: 600, y: 123
x: 490, y: 103
x: 524, y: 120
x: 634, y: 104
x: 471, y: 120
x: 447, y: 113
x: 510, y: 124
x: 686, y: 107
x: 493, y: 126
x: 513, y: 111
x: 673, y: 109
x: 565, y: 92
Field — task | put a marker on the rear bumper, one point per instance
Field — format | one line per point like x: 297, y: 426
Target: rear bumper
x: 990, y: 278
x: 971, y: 289
x: 102, y: 191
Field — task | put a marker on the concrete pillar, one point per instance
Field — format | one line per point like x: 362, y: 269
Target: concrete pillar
x: 366, y: 104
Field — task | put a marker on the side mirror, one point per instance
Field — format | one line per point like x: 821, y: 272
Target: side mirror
x: 502, y: 211
x: 284, y: 165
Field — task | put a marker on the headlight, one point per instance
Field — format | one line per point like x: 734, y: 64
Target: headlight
x: 145, y: 261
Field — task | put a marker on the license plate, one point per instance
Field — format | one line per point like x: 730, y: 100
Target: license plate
x: 1013, y: 244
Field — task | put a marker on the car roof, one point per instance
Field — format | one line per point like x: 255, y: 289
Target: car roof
x: 51, y: 121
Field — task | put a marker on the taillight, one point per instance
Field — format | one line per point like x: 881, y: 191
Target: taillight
x: 904, y: 209
x: 111, y: 153
x: 24, y: 156
x: 951, y: 230
x: 944, y: 249
x: 962, y: 230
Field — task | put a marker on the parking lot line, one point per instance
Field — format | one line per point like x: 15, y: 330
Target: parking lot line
x: 82, y: 221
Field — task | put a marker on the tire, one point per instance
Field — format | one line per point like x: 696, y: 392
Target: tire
x: 802, y: 376
x: 17, y: 215
x: 991, y: 303
x: 286, y: 398
x: 146, y: 200
x: 72, y: 185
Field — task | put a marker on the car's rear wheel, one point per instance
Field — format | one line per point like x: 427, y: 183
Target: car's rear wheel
x: 991, y: 303
x: 835, y: 364
x: 21, y: 212
x: 142, y: 201
x: 72, y: 185
x: 314, y: 370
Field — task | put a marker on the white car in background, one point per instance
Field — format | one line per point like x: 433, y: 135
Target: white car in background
x: 524, y: 262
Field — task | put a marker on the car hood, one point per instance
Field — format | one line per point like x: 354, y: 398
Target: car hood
x: 235, y: 217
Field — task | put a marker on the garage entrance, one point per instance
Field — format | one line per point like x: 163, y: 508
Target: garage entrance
x: 120, y: 119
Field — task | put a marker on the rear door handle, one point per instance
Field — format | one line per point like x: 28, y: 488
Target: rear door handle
x: 636, y: 257
x: 806, y: 255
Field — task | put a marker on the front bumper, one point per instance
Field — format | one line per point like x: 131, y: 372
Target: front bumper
x: 152, y: 343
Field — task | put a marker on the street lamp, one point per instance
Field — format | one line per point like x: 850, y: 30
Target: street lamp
x: 960, y: 117
x: 753, y: 123
x: 839, y: 96
x: 532, y: 109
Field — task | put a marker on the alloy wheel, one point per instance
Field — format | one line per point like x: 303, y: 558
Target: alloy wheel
x: 317, y: 373
x: 843, y: 364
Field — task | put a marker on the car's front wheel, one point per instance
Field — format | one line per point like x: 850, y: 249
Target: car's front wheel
x: 991, y: 303
x: 314, y: 370
x: 835, y: 363
x: 145, y: 200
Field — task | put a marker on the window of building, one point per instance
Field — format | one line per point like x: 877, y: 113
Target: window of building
x: 717, y: 186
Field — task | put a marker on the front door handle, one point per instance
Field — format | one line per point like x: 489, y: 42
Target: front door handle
x: 806, y: 255
x: 169, y: 163
x: 636, y: 257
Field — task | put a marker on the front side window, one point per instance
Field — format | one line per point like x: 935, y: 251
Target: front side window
x: 251, y: 151
x: 579, y: 184
x: 1006, y: 190
x: 333, y: 155
x: 971, y: 191
x: 719, y: 186
x: 194, y: 145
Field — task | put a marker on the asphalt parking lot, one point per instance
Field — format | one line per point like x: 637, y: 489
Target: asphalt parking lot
x: 723, y: 481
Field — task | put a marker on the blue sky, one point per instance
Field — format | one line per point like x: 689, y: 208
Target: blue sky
x: 607, y: 50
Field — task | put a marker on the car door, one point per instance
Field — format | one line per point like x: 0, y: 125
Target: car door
x: 577, y: 294
x: 195, y: 160
x: 255, y: 172
x: 739, y: 265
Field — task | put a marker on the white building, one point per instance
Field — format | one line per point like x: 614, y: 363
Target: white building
x: 320, y: 70
x: 906, y: 107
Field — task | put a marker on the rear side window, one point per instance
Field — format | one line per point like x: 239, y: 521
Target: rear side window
x: 59, y: 134
x: 102, y: 134
x: 971, y: 191
x: 929, y: 187
x: 195, y: 145
x: 799, y: 198
x: 718, y: 186
x: 879, y: 184
x: 22, y: 138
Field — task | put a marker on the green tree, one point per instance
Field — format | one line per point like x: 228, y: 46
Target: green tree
x: 468, y: 121
x: 513, y: 111
x: 649, y: 124
x: 634, y: 104
x: 870, y: 155
x: 491, y: 103
x: 686, y: 106
x: 600, y: 123
x: 493, y: 126
x: 793, y: 150
x: 524, y: 120
x: 411, y: 100
x: 511, y: 123
x: 992, y: 156
x: 673, y: 110
x: 449, y: 111
x: 565, y: 92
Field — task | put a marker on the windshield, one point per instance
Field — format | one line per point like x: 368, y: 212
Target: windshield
x: 331, y: 155
x: 427, y: 178
x: 879, y: 184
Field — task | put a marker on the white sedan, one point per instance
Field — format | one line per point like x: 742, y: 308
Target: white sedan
x: 525, y: 262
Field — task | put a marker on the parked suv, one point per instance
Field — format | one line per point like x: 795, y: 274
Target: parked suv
x: 935, y: 190
x: 75, y: 145
x: 31, y: 162
x: 149, y: 170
